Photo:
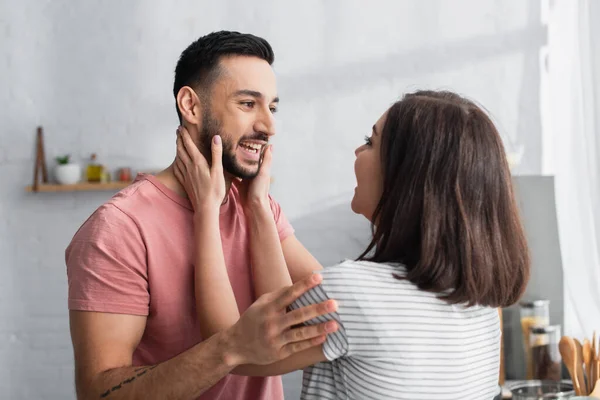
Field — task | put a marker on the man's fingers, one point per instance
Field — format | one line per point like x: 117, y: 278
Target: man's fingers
x: 217, y: 154
x: 296, y: 347
x: 192, y: 150
x: 309, y: 312
x: 309, y: 332
x: 286, y: 296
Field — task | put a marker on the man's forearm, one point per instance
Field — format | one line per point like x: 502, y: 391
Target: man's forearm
x: 183, y: 377
x: 269, y: 269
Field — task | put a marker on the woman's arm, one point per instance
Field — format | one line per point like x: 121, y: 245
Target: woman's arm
x: 269, y: 269
x: 295, y: 362
x: 215, y: 302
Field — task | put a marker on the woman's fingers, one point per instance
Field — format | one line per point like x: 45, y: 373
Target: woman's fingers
x: 180, y: 166
x: 265, y: 166
x: 192, y: 150
x: 182, y: 153
x: 177, y: 169
x: 217, y: 155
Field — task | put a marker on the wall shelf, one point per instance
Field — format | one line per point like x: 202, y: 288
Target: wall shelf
x: 40, y: 176
x: 78, y: 187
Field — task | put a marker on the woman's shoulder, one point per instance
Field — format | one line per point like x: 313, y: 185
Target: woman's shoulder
x: 363, y: 271
x: 386, y: 279
x: 348, y: 265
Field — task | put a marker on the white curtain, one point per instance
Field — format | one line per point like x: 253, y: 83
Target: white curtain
x: 571, y: 124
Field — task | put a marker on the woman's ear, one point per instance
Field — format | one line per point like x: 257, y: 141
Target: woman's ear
x: 189, y: 105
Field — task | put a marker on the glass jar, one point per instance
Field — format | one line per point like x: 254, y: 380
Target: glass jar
x: 125, y: 174
x: 533, y: 314
x: 94, y: 170
x: 545, y: 354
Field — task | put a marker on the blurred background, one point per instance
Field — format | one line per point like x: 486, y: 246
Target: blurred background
x: 97, y: 75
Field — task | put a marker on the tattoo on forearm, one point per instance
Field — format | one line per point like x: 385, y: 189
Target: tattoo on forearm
x: 138, y: 372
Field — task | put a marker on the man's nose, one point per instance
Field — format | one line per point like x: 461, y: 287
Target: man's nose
x: 265, y: 123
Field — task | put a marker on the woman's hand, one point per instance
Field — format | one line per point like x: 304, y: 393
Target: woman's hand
x: 204, y: 184
x: 255, y: 192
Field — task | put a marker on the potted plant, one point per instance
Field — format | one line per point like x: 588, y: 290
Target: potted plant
x: 66, y: 173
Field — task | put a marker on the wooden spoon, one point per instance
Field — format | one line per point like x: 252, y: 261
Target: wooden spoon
x: 579, y: 366
x: 587, y: 360
x: 568, y: 352
x: 595, y: 371
x: 596, y: 392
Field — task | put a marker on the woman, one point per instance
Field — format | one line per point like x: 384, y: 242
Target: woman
x: 417, y: 312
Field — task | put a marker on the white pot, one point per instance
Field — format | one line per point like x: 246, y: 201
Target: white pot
x: 67, y: 174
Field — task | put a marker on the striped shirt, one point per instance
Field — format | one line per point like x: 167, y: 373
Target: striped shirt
x: 396, y: 341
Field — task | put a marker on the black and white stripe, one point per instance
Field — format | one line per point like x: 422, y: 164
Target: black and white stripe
x: 398, y: 342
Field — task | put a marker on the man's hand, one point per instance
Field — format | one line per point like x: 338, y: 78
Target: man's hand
x: 104, y: 344
x: 204, y: 184
x: 265, y: 333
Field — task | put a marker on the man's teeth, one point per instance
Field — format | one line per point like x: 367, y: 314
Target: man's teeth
x: 251, y: 147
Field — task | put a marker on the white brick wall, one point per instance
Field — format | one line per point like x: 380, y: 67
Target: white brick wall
x: 98, y: 76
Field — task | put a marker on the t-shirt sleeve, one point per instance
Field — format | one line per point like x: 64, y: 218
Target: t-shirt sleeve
x: 284, y: 228
x: 336, y: 344
x: 106, y: 265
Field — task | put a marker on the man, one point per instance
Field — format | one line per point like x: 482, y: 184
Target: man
x: 131, y: 283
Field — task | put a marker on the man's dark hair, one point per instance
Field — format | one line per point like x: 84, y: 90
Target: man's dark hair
x: 198, y: 65
x: 447, y: 210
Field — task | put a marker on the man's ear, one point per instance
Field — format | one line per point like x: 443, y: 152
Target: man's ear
x: 189, y: 105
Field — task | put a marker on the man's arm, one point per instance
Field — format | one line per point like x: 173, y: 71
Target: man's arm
x: 104, y: 343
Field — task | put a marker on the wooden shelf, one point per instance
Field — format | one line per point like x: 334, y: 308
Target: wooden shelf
x: 78, y: 187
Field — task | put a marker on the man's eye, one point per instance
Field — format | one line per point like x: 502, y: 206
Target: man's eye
x: 273, y: 110
x: 248, y: 104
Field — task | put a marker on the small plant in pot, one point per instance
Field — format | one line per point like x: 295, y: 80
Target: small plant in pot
x: 66, y: 172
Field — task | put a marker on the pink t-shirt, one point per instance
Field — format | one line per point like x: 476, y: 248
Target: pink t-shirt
x: 134, y: 255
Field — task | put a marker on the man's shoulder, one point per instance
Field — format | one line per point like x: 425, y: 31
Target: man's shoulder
x: 134, y: 196
x: 121, y: 210
x: 108, y: 223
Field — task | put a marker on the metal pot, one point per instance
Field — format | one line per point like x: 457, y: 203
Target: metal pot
x: 541, y: 390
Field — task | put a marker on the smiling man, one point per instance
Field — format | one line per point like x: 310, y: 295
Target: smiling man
x: 130, y: 266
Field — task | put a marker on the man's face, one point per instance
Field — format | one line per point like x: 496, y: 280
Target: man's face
x: 241, y: 107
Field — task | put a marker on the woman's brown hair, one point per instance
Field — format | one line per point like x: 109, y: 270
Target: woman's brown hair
x: 447, y: 211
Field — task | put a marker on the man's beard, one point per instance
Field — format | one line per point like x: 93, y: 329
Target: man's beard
x: 211, y: 127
